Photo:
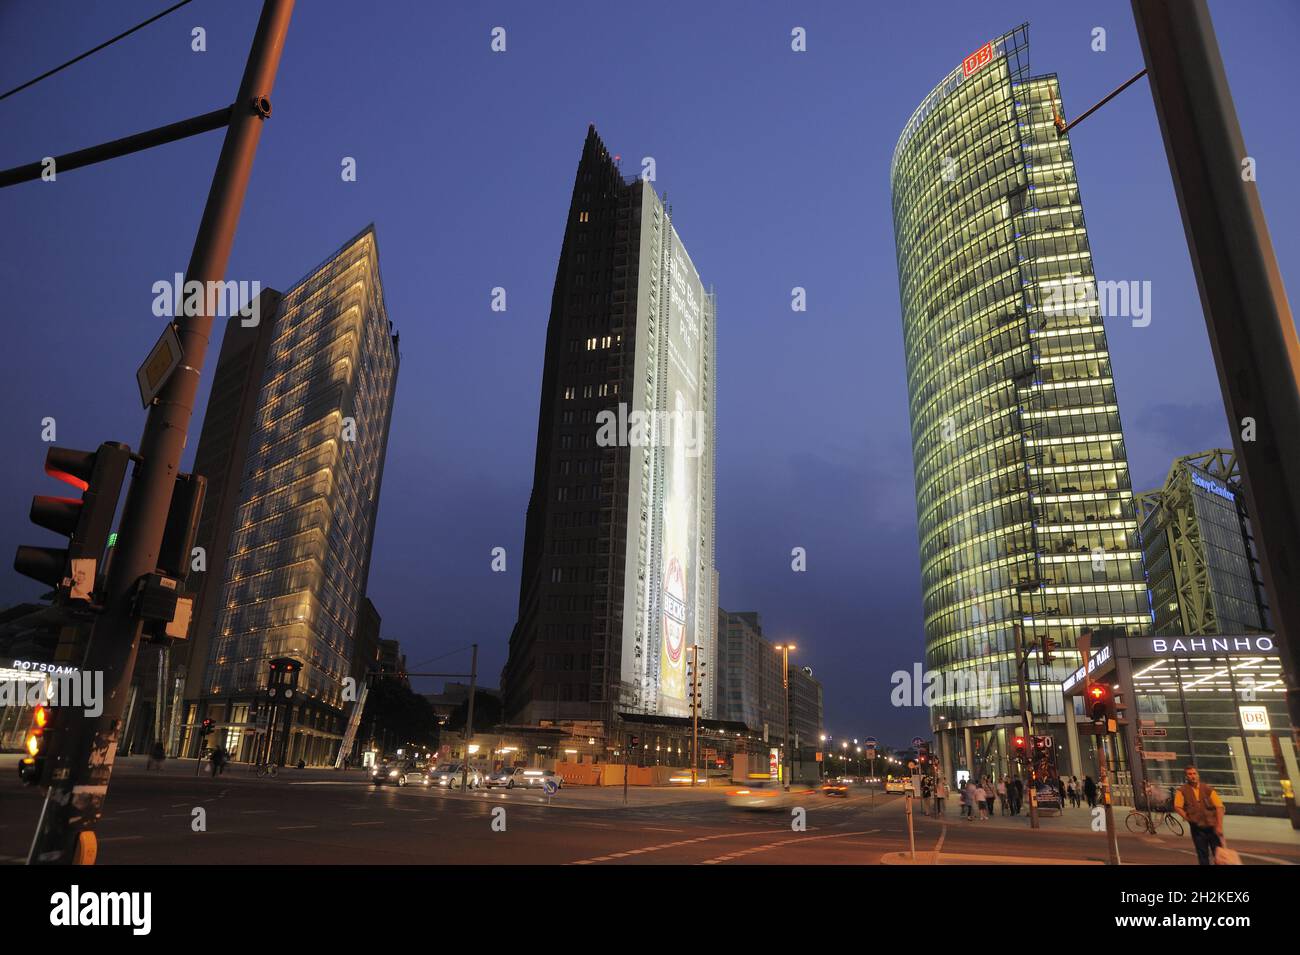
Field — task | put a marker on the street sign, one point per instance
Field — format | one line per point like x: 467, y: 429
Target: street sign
x: 1160, y: 756
x: 870, y: 741
x: 550, y: 786
x: 1153, y: 731
x: 163, y: 359
x: 917, y: 743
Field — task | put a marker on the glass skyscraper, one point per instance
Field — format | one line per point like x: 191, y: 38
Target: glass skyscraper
x: 1024, y: 503
x: 298, y: 557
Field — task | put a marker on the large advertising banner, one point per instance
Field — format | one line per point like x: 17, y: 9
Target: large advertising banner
x: 680, y: 572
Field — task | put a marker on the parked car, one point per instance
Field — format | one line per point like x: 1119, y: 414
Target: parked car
x: 898, y: 785
x: 448, y: 776
x: 534, y: 778
x: 400, y: 774
x: 766, y: 794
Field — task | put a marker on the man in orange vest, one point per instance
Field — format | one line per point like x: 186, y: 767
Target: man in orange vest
x: 1201, y: 806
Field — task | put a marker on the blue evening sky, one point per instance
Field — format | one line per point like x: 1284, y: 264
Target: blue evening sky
x: 777, y: 167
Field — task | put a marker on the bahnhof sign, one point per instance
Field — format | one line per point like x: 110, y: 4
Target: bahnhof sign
x: 1215, y: 702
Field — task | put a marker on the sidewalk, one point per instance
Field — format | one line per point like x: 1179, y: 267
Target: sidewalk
x: 1235, y: 828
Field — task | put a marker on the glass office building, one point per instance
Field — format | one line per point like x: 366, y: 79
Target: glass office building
x: 1200, y: 551
x: 299, y: 550
x: 1024, y: 504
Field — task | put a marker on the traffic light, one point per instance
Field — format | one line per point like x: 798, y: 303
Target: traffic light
x: 86, y: 521
x: 36, y: 747
x: 205, y: 728
x: 1018, y: 747
x: 1101, y: 705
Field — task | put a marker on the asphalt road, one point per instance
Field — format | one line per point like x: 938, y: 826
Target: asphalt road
x: 149, y: 819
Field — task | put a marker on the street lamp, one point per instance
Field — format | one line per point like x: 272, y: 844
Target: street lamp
x: 785, y: 649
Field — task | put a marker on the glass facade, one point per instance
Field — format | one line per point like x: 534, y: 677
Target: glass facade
x: 1200, y: 553
x: 299, y: 552
x: 1198, y: 701
x: 1024, y: 504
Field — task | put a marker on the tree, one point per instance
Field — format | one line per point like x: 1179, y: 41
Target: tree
x: 487, y: 712
x: 395, y: 712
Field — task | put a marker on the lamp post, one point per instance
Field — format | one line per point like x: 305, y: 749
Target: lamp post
x: 821, y: 772
x: 785, y: 649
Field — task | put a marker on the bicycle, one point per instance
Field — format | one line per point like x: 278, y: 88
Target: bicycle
x: 266, y: 769
x: 1138, y: 821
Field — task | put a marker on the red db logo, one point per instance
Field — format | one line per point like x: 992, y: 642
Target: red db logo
x: 977, y: 59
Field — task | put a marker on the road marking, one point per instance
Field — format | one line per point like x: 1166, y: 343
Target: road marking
x: 118, y: 838
x: 123, y: 812
x: 784, y: 842
x: 938, y: 846
x: 374, y: 822
x: 295, y: 827
x: 255, y: 812
x: 681, y: 842
x: 657, y: 829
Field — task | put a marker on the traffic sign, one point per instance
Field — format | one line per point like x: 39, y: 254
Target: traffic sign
x: 550, y: 786
x: 1152, y: 731
x: 917, y: 742
x: 870, y: 741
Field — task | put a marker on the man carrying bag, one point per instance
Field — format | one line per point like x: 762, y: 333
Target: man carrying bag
x: 1201, y: 806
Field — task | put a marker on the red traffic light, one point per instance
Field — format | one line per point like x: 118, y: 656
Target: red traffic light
x: 85, y: 521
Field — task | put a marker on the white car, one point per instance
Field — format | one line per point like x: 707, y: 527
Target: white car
x: 448, y: 776
x: 534, y: 778
x: 399, y: 774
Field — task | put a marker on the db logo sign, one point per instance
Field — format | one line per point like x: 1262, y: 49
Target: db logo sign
x: 977, y: 59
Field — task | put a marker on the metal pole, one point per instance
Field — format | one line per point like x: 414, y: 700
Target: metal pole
x: 785, y: 741
x: 626, y: 756
x: 74, y: 802
x: 695, y: 714
x: 469, y: 716
x: 1251, y: 328
x: 121, y: 147
x: 1028, y: 716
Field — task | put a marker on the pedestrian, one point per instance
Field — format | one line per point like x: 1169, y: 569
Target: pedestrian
x: 1090, y: 792
x: 940, y: 793
x: 1200, y: 805
x: 1003, y: 810
x: 968, y: 799
x: 1071, y: 794
x: 990, y: 794
x: 156, y: 755
x: 1019, y: 798
x: 925, y: 795
x: 981, y: 800
x: 1060, y: 790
